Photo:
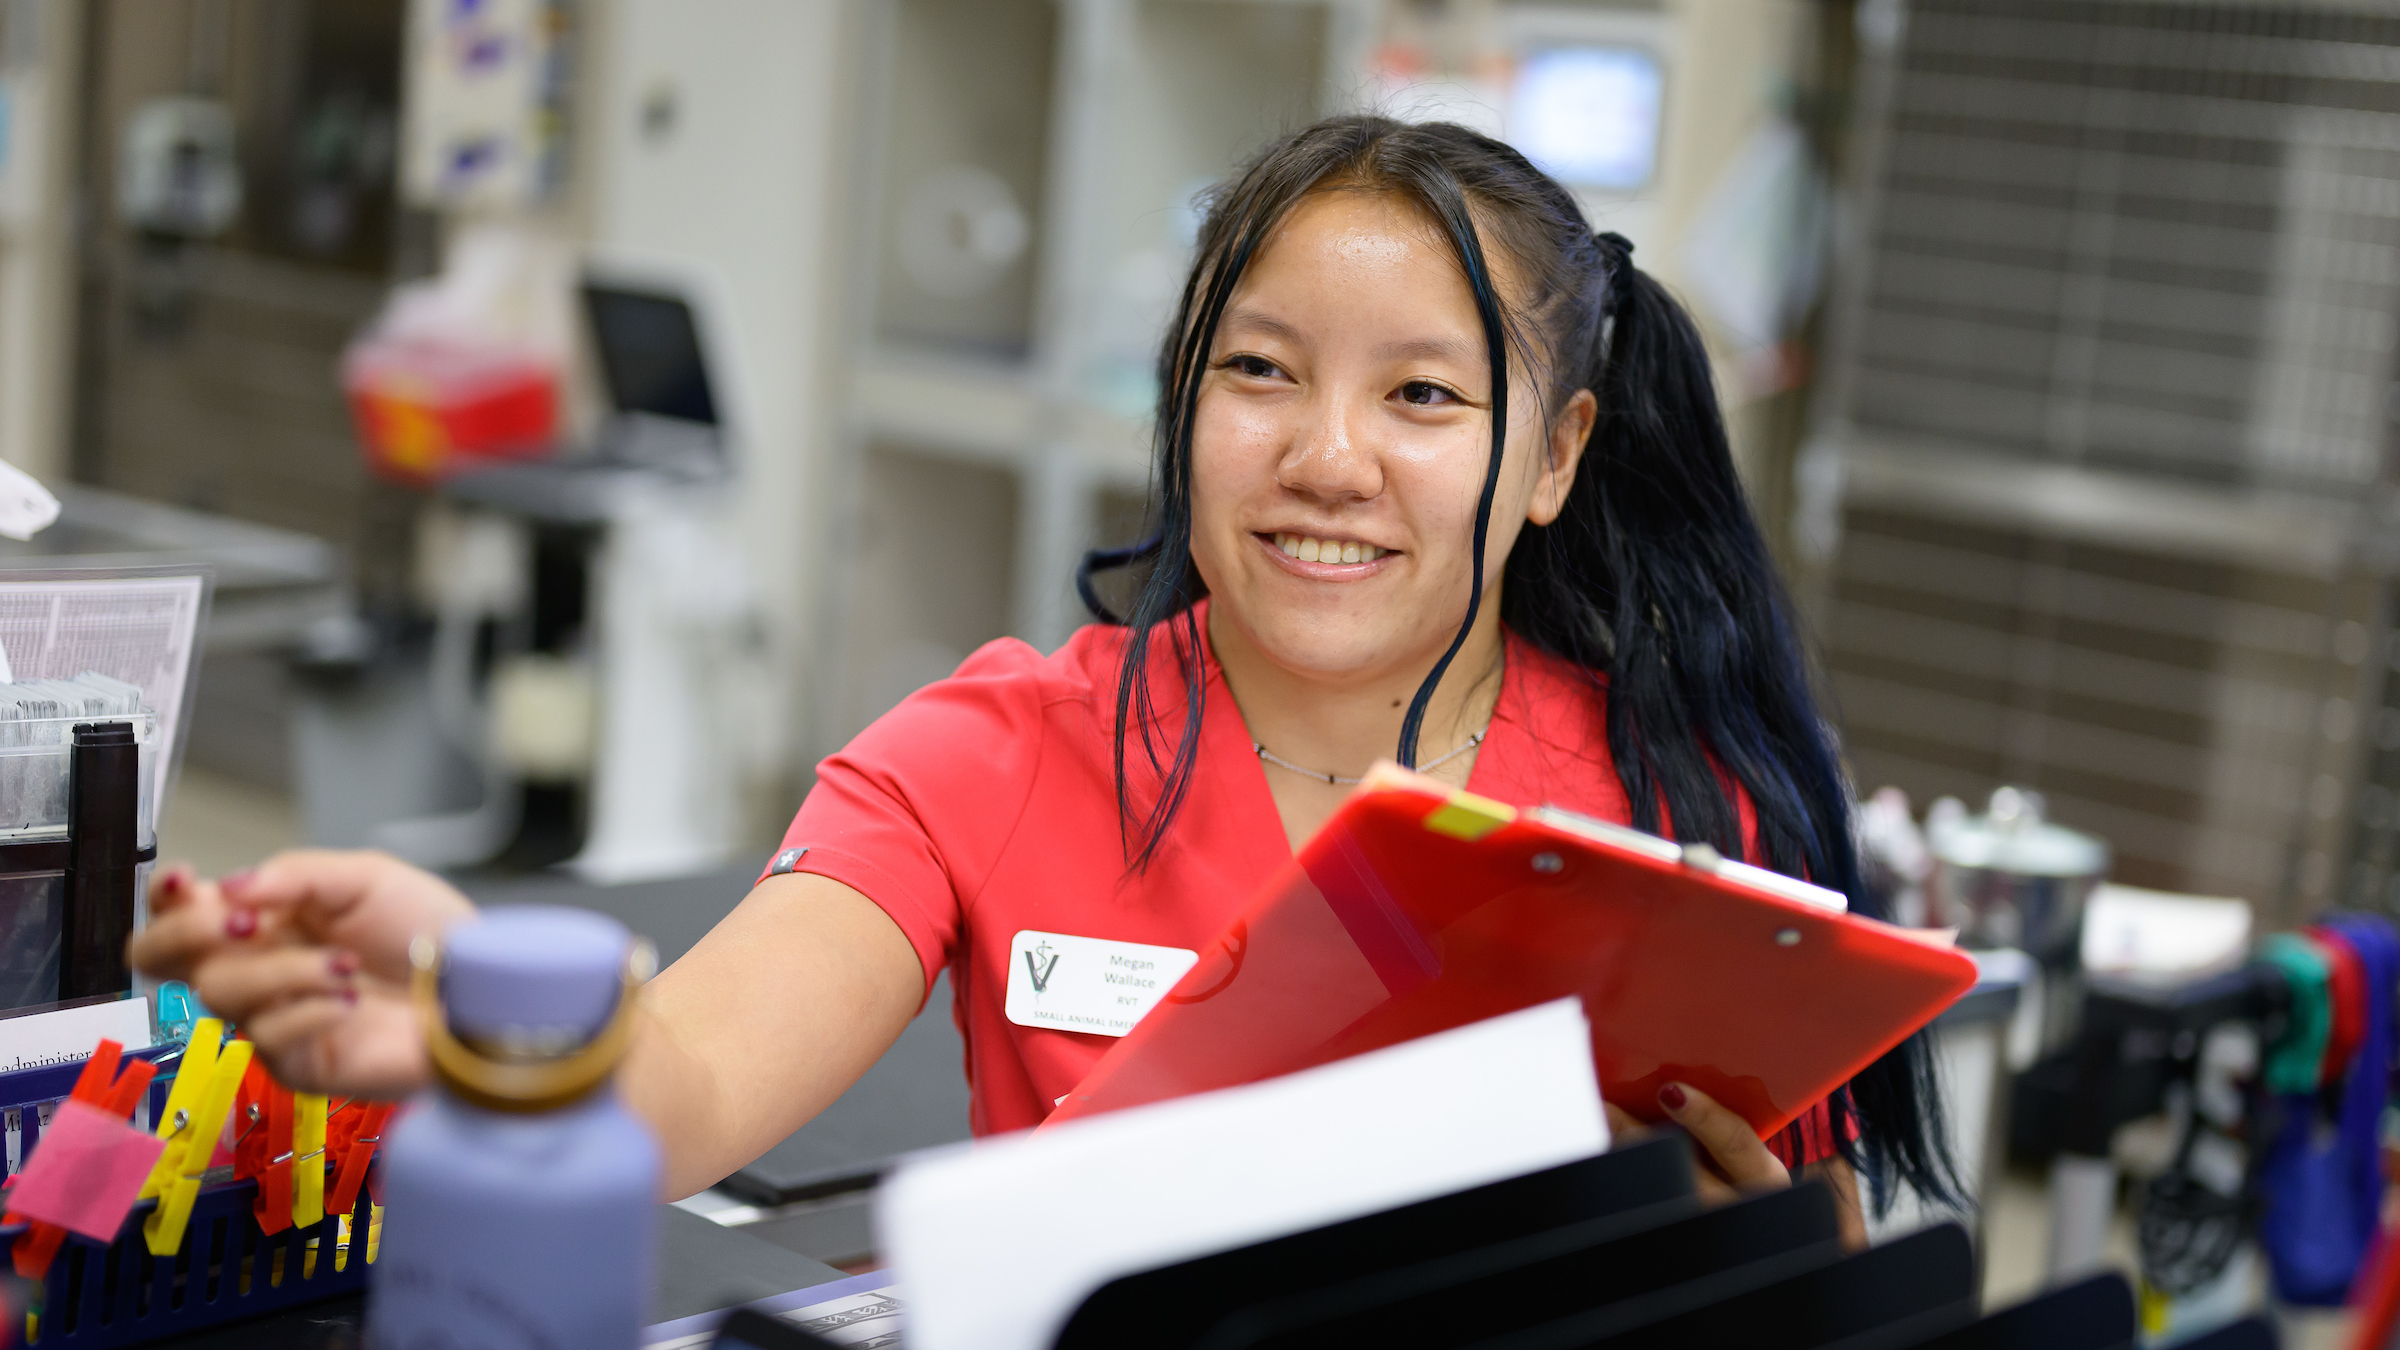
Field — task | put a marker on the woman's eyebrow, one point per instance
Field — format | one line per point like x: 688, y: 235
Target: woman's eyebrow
x: 1265, y: 324
x: 1428, y: 349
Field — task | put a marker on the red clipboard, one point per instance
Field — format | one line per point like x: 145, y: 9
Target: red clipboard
x: 1418, y: 908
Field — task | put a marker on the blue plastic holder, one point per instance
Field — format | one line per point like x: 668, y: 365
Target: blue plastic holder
x: 27, y: 1094
x: 102, y: 1295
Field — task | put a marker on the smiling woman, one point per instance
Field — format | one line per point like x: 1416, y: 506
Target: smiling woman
x: 1340, y: 371
x: 1434, y: 464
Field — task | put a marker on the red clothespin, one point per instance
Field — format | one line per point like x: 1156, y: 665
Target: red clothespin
x: 250, y: 1156
x: 102, y: 1086
x: 356, y: 1156
x: 130, y: 1086
x: 273, y: 1207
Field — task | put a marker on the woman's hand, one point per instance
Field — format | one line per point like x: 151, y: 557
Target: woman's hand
x: 1733, y: 1159
x: 308, y: 954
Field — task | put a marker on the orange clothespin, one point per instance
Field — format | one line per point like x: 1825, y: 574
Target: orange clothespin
x: 131, y: 1084
x: 250, y: 1155
x: 273, y: 1207
x: 355, y: 1157
x: 100, y: 1085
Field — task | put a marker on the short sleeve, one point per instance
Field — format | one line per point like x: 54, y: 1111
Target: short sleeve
x: 914, y: 812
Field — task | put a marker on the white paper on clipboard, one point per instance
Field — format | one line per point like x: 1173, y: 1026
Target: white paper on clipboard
x: 142, y: 630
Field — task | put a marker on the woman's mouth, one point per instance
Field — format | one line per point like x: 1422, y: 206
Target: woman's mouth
x: 1321, y: 559
x: 1309, y: 548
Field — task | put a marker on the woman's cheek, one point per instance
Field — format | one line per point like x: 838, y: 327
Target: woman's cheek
x: 1436, y: 481
x: 1238, y: 445
x: 1234, y: 460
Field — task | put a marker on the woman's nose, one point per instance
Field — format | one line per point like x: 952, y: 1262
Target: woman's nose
x: 1330, y: 457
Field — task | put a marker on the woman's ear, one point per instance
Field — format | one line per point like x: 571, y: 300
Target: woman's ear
x: 1569, y: 432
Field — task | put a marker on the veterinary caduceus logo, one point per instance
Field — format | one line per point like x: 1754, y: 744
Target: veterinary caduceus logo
x: 1039, y: 962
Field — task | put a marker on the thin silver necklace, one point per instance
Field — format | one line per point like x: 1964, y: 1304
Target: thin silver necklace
x: 1270, y: 757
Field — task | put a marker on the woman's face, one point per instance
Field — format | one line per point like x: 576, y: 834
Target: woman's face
x: 1343, y: 429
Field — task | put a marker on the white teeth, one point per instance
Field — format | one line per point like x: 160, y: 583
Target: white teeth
x: 1307, y: 549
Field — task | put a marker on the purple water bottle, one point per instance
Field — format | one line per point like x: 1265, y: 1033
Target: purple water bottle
x: 520, y: 1195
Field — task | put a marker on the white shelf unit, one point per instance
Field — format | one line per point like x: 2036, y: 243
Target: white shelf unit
x: 931, y: 572
x: 998, y: 419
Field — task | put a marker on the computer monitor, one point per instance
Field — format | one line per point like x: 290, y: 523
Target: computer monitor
x: 648, y: 343
x: 1589, y: 113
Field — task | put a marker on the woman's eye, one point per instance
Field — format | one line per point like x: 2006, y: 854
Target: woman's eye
x: 1426, y: 394
x: 1256, y: 367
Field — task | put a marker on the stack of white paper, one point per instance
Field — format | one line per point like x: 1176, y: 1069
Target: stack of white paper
x: 135, y: 636
x: 994, y: 1245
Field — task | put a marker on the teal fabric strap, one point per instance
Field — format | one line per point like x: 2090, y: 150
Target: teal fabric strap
x: 2296, y: 1056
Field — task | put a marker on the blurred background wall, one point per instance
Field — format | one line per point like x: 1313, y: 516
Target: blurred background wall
x: 931, y: 244
x: 2057, y: 341
x: 2097, y: 495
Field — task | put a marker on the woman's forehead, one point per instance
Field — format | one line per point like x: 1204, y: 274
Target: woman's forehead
x: 1371, y: 248
x: 1359, y: 229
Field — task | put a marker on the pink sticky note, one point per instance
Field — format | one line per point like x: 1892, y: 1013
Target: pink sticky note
x: 86, y: 1172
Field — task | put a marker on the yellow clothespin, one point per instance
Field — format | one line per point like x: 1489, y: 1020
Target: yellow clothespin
x: 192, y: 1078
x: 163, y: 1230
x: 308, y: 1159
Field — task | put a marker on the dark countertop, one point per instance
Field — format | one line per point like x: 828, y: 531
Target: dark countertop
x: 701, y: 1267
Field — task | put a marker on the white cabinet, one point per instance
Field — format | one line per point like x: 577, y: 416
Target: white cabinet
x: 1030, y: 169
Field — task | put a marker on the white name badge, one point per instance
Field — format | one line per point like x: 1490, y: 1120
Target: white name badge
x: 1068, y: 983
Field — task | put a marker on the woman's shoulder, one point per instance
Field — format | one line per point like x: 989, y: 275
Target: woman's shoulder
x: 1558, y: 703
x: 1087, y: 660
x: 1549, y: 739
x: 1001, y: 690
x: 1557, y: 751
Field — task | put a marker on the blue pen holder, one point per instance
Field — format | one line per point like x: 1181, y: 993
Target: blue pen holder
x: 101, y: 1295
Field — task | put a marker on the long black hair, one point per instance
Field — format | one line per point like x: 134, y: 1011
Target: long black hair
x: 1654, y: 576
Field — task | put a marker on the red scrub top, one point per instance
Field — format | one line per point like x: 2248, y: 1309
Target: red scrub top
x: 986, y: 804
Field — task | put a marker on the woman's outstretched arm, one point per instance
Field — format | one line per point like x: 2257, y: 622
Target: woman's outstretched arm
x: 769, y: 1018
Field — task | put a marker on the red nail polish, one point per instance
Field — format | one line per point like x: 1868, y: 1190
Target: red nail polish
x: 1671, y: 1096
x: 237, y: 882
x: 350, y: 997
x: 241, y: 923
x: 344, y: 964
x: 174, y: 881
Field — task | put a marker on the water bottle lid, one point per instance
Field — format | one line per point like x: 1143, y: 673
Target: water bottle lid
x: 533, y: 980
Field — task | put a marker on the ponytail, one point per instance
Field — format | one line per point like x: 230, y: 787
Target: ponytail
x: 1655, y: 572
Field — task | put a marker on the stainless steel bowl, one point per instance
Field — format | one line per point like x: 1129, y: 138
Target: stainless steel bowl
x: 2009, y: 878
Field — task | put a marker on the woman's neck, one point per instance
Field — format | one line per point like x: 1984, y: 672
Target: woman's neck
x: 1340, y: 726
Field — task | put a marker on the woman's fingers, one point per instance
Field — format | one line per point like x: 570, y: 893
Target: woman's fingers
x: 1713, y: 1189
x: 1732, y: 1146
x: 187, y: 931
x: 370, y: 903
x: 170, y: 886
x: 290, y: 951
x: 241, y: 981
x: 371, y: 1048
x: 1621, y: 1124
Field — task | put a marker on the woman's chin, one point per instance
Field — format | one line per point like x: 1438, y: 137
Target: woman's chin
x: 1334, y: 654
